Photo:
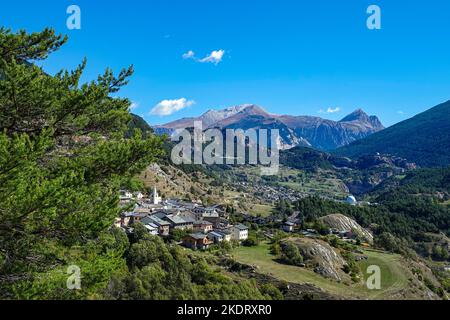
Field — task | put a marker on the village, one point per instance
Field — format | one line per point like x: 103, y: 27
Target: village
x: 201, y: 226
x: 269, y: 193
x: 204, y: 226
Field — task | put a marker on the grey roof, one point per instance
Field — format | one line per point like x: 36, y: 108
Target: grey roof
x: 216, y: 234
x: 188, y: 219
x: 241, y: 227
x: 173, y: 201
x: 155, y: 220
x: 151, y: 226
x: 152, y: 206
x: 138, y: 215
x: 203, y: 223
x: 142, y: 210
x: 159, y: 214
x: 224, y: 232
x: 211, y: 215
x: 189, y: 205
x: 147, y: 220
x: 198, y: 236
x: 179, y: 220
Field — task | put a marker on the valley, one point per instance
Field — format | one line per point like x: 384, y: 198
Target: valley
x: 330, y: 214
x: 105, y: 193
x: 264, y: 203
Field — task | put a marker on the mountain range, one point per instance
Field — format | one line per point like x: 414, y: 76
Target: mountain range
x: 308, y: 131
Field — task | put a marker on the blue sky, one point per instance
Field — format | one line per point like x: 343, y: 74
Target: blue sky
x: 291, y: 57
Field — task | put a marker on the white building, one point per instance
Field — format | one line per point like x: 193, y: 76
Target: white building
x: 351, y: 200
x: 138, y: 195
x: 288, y: 226
x: 216, y: 237
x: 156, y: 197
x: 152, y: 228
x: 239, y: 232
x: 125, y: 195
x: 227, y: 235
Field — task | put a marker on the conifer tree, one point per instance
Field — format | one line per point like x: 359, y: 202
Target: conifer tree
x: 63, y: 159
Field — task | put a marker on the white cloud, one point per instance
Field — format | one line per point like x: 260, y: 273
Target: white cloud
x: 330, y: 110
x: 400, y: 112
x: 168, y: 107
x: 133, y: 106
x: 214, y: 57
x: 189, y: 55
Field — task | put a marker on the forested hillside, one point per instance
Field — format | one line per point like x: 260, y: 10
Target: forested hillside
x: 423, y: 139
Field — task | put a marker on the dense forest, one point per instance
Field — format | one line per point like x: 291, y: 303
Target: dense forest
x: 404, y: 211
x: 139, y: 123
x: 304, y: 158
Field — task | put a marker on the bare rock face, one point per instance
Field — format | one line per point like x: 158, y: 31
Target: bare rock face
x: 344, y: 223
x: 321, y: 257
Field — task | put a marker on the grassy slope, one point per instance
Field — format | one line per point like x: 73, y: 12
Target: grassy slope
x: 262, y: 210
x: 394, y: 277
x: 174, y: 183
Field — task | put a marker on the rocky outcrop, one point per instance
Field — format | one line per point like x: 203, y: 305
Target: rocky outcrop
x: 320, y: 257
x: 344, y: 223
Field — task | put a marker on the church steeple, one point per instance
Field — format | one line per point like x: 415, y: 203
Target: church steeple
x: 156, y: 198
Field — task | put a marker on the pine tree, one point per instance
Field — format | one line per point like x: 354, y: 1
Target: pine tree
x: 63, y: 158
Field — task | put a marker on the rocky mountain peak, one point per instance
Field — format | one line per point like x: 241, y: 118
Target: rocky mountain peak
x: 375, y: 122
x: 213, y: 116
x: 357, y: 115
x: 254, y: 109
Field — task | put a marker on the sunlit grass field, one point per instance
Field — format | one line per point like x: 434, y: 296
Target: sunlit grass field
x: 393, y: 277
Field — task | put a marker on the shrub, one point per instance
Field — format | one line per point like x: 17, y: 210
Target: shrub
x: 290, y: 254
x: 250, y: 241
